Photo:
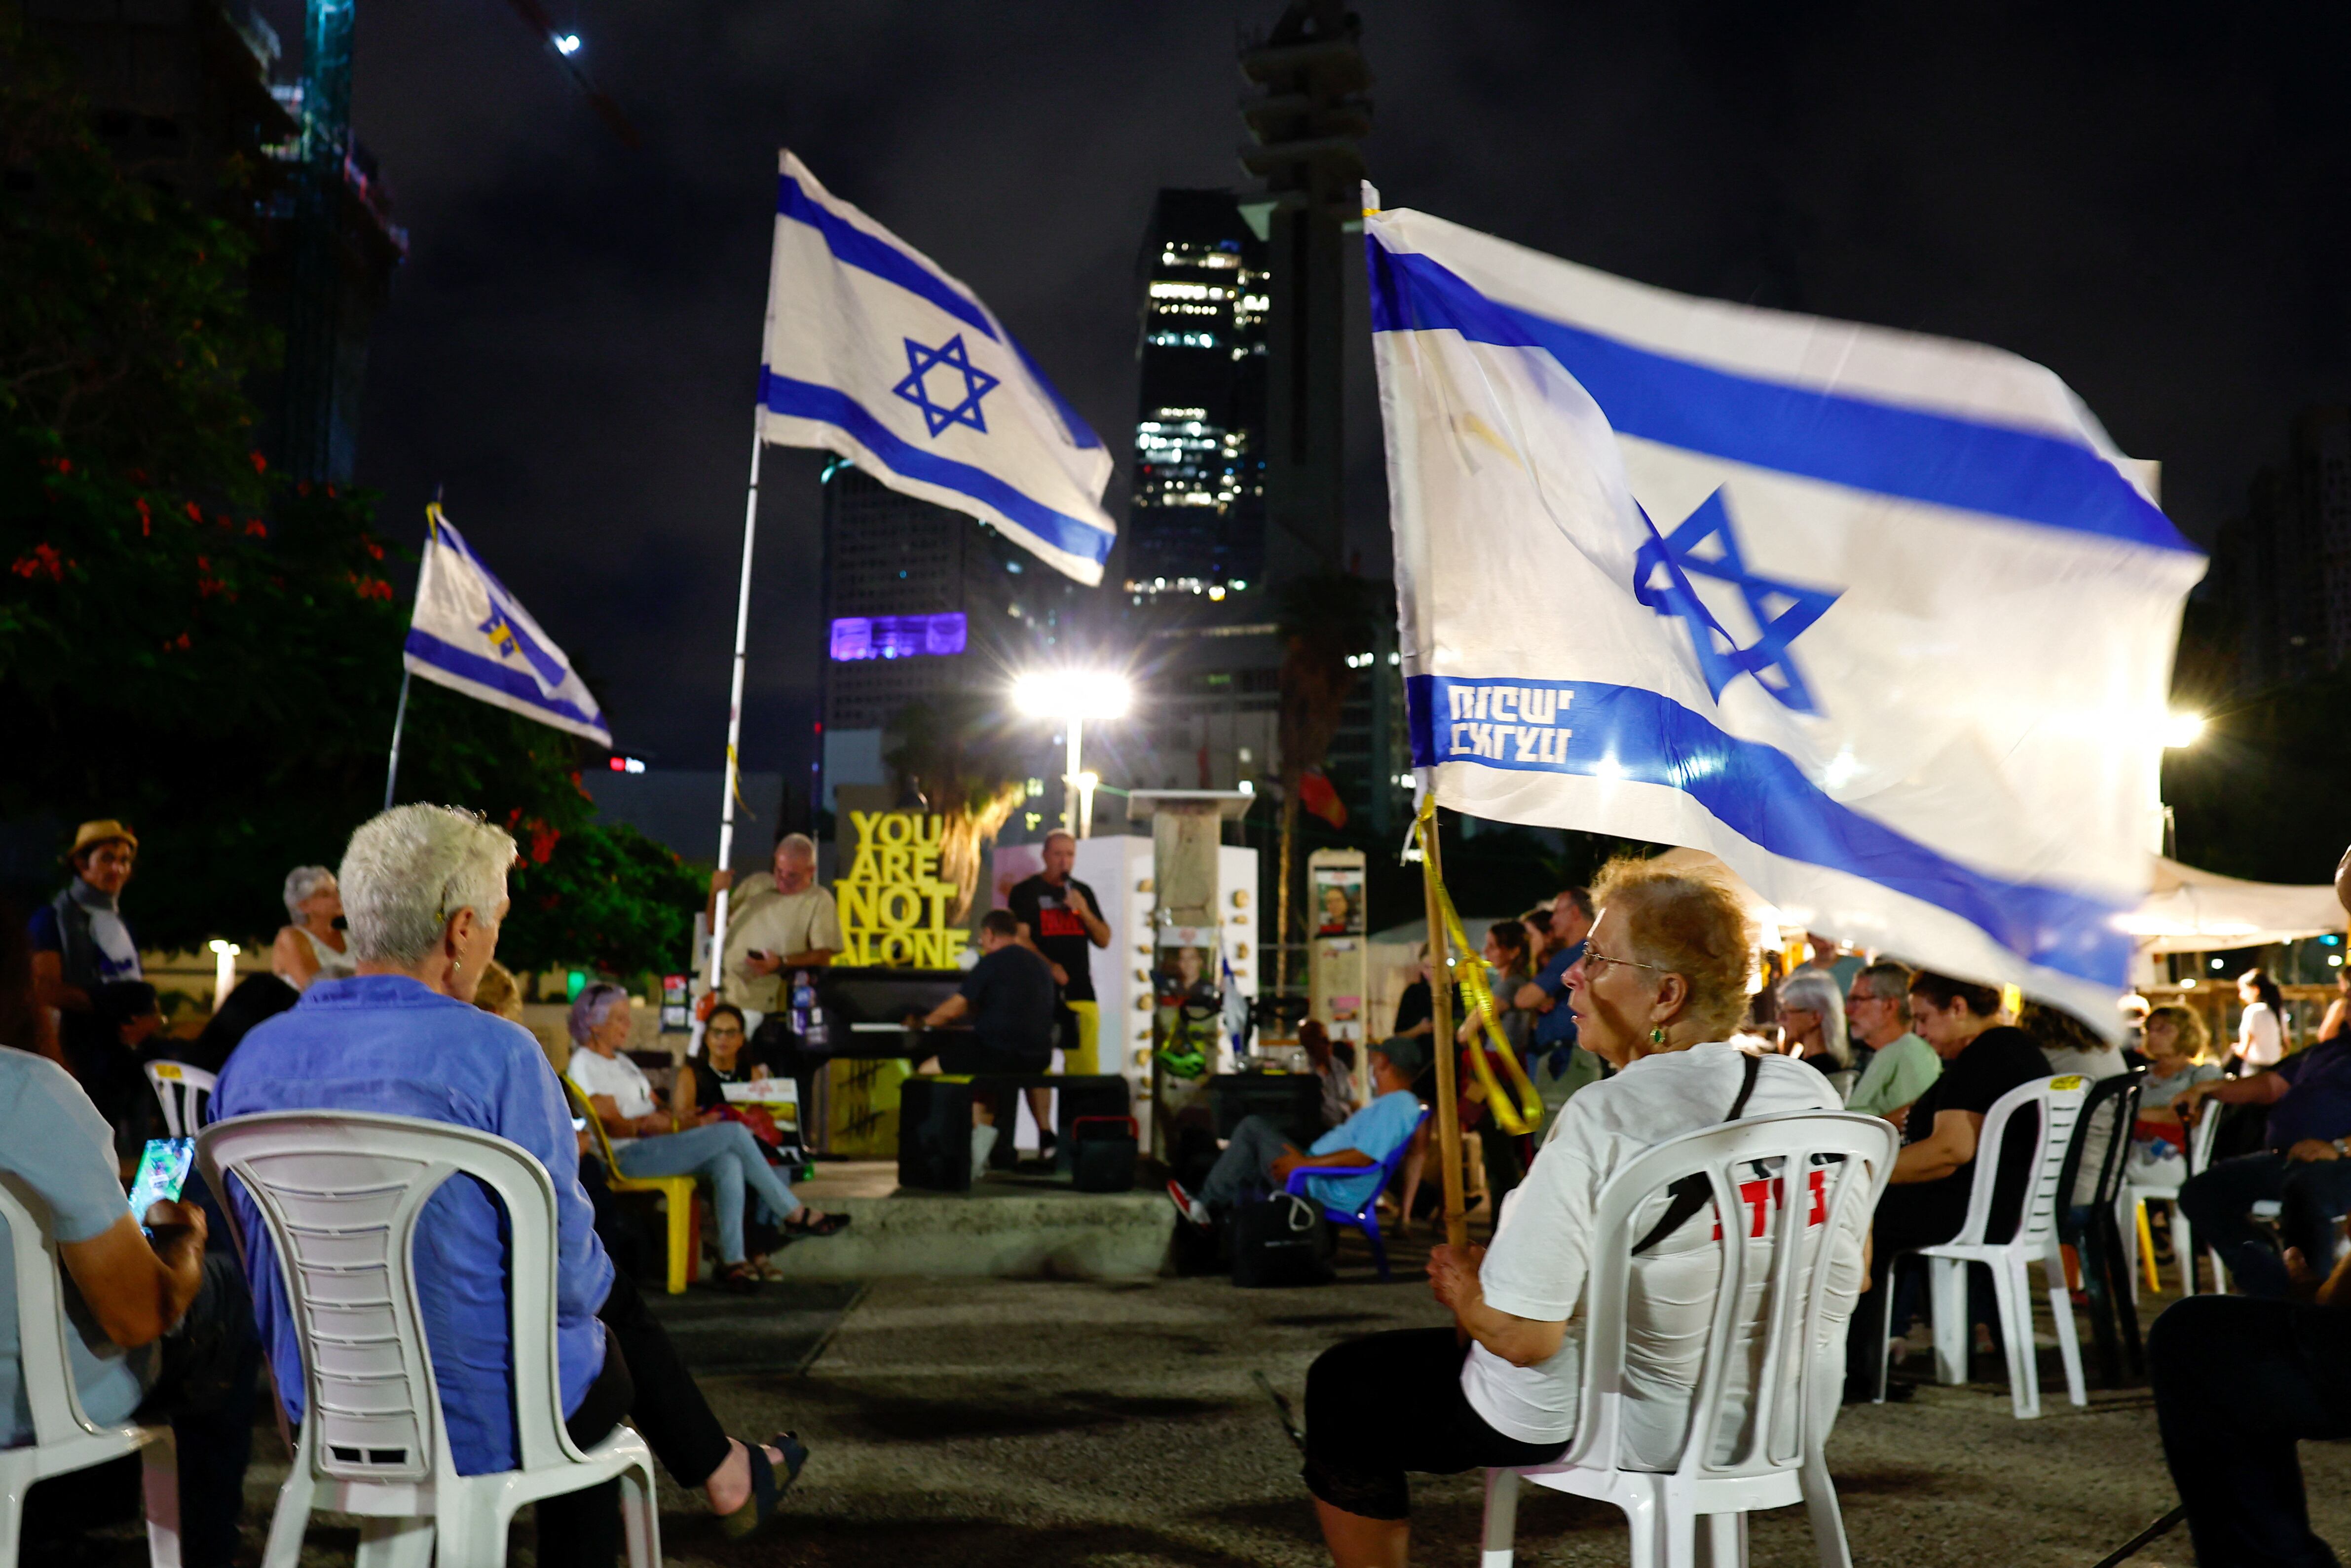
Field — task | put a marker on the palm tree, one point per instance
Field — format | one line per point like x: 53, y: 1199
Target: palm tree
x: 953, y: 752
x: 1325, y: 619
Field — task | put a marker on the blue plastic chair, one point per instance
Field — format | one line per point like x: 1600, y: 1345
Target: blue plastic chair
x: 1366, y: 1218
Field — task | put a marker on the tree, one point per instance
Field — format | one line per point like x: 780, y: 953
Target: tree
x: 1325, y: 620
x: 186, y: 641
x: 955, y: 753
x: 604, y: 896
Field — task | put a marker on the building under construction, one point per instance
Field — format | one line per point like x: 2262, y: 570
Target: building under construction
x: 183, y: 92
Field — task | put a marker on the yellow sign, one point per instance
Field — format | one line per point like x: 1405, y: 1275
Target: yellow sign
x: 893, y: 907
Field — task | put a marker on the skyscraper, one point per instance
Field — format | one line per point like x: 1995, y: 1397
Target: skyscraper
x: 919, y: 602
x: 2277, y: 603
x: 1197, y: 520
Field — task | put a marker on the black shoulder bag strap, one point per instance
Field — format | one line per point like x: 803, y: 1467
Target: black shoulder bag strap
x: 1693, y: 1191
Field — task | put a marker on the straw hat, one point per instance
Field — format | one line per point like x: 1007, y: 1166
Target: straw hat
x: 101, y: 831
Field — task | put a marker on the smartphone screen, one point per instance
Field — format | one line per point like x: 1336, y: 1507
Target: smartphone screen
x: 163, y: 1169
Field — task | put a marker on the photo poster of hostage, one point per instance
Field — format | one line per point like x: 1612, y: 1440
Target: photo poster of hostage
x: 1337, y: 962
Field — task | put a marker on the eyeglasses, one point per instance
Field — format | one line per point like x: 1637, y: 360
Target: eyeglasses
x: 1596, y: 962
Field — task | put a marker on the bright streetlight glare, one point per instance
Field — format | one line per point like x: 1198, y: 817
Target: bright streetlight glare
x: 2182, y: 728
x: 1072, y: 693
x: 567, y: 43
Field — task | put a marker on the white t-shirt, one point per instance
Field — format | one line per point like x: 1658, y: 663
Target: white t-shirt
x: 1540, y: 1256
x: 2259, y: 1040
x: 615, y: 1075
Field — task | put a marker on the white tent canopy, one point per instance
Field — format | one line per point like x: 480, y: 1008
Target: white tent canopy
x: 2186, y: 911
x: 2192, y: 911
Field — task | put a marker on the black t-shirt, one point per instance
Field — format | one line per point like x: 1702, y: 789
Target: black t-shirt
x: 1056, y: 929
x: 1994, y: 1062
x: 1415, y: 1006
x: 709, y: 1091
x: 1011, y: 996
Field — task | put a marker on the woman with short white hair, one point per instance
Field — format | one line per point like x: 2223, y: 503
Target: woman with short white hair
x: 311, y: 949
x: 1811, y: 1027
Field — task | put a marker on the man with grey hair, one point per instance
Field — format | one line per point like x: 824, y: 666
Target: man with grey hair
x: 1901, y: 1065
x: 775, y: 923
x: 425, y: 890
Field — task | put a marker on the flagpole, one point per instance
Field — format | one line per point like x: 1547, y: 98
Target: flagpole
x: 1440, y: 1006
x: 400, y: 714
x: 734, y: 715
x: 399, y: 722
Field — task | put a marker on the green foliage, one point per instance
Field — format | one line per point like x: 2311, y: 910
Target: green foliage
x: 187, y: 642
x: 605, y: 897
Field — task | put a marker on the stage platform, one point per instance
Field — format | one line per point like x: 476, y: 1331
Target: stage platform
x: 1008, y: 1226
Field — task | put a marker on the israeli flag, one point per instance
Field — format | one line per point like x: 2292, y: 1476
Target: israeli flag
x: 471, y: 635
x: 1884, y: 621
x: 873, y: 352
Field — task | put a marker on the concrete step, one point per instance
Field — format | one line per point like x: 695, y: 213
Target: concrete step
x: 1008, y: 1227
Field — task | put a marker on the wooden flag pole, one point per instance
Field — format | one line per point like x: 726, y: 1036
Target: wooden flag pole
x: 1440, y: 1006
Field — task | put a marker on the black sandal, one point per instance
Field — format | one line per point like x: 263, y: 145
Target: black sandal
x: 831, y: 1225
x: 766, y: 1492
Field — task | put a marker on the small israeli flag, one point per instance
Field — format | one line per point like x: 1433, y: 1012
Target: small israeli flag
x: 471, y: 635
x: 1884, y: 621
x: 873, y: 352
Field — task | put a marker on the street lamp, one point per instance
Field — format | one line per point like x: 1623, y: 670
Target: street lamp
x: 2182, y: 729
x: 1074, y: 697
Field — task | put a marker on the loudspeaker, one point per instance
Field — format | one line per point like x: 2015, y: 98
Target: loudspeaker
x: 935, y: 1135
x: 1102, y: 1152
x: 1281, y: 1242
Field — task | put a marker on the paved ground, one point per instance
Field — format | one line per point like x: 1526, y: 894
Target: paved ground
x: 993, y: 1422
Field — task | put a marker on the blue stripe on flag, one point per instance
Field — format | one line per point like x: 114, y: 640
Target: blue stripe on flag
x: 489, y: 672
x: 1756, y: 791
x: 1937, y: 458
x: 806, y: 399
x: 853, y: 247
x: 1073, y: 422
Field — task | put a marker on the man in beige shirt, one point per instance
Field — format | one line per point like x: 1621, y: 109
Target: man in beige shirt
x: 776, y: 924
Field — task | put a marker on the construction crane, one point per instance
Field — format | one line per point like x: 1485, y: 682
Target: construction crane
x: 310, y: 387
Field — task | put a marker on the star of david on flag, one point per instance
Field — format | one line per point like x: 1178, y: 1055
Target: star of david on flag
x: 873, y: 352
x: 1706, y: 545
x: 1882, y: 621
x: 470, y: 634
x: 915, y: 388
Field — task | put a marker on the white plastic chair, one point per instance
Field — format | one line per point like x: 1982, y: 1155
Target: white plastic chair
x: 340, y: 1192
x: 1767, y: 1313
x: 64, y: 1439
x: 2060, y: 1103
x: 2183, y: 1235
x: 178, y: 1086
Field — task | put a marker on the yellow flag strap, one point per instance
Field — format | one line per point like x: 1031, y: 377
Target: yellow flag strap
x: 1479, y: 997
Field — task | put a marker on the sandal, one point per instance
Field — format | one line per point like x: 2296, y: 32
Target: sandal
x: 737, y: 1278
x: 801, y: 1225
x: 765, y: 1493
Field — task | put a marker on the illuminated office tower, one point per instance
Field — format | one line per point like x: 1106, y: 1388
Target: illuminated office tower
x: 1197, y: 526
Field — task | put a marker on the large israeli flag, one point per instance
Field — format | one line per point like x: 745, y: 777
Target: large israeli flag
x: 873, y: 352
x: 471, y: 635
x: 1884, y: 621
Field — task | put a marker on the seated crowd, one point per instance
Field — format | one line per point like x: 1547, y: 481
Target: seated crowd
x: 1628, y: 1006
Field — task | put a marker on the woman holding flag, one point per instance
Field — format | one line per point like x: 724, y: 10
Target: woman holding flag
x: 1661, y: 985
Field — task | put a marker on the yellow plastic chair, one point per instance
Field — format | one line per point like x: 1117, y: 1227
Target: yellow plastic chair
x: 676, y: 1194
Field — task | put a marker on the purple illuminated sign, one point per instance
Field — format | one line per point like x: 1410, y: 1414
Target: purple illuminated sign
x: 897, y: 636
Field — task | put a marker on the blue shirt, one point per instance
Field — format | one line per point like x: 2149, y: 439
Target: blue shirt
x: 383, y: 1043
x: 1557, y: 1027
x: 1379, y: 1129
x: 2318, y: 1104
x: 60, y: 1152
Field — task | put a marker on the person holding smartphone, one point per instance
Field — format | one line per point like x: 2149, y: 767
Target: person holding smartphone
x: 157, y: 1327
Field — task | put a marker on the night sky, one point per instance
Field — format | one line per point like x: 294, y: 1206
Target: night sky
x: 2149, y: 199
